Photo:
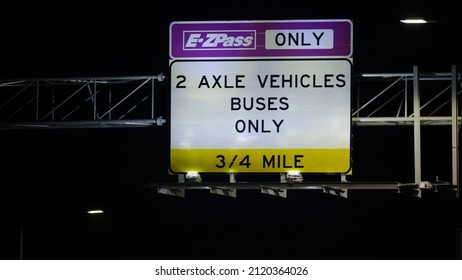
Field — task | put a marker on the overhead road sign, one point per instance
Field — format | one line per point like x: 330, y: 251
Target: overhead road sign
x: 261, y: 39
x: 260, y: 116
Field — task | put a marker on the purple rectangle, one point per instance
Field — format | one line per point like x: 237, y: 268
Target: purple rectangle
x: 248, y: 39
x: 219, y: 40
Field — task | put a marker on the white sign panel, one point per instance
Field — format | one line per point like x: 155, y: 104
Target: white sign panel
x: 261, y: 116
x: 299, y: 39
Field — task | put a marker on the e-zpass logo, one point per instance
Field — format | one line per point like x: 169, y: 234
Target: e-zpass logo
x: 219, y: 40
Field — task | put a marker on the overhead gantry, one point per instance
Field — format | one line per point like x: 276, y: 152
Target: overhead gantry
x: 378, y: 99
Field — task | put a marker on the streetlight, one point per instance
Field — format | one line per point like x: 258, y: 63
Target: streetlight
x: 95, y: 211
x: 414, y: 21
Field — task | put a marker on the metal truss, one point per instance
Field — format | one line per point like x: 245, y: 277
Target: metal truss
x: 281, y: 188
x: 403, y: 98
x: 79, y: 102
x: 412, y: 99
x: 377, y: 100
x: 388, y: 99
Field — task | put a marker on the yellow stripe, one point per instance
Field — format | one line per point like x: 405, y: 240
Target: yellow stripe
x: 260, y: 160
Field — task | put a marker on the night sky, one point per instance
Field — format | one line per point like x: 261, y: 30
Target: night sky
x: 51, y: 177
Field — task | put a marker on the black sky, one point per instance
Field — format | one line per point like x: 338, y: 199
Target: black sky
x: 130, y: 38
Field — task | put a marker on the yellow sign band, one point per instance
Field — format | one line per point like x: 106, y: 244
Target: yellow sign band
x: 260, y: 160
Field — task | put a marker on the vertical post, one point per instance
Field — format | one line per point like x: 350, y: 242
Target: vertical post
x: 283, y: 177
x: 152, y: 98
x: 417, y: 152
x: 454, y: 129
x: 181, y: 177
x: 405, y: 96
x: 53, y: 103
x: 232, y: 177
x: 21, y: 241
x: 37, y: 90
x: 110, y: 101
x: 94, y: 100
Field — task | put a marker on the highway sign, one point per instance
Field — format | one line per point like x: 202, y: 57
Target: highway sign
x: 261, y: 39
x: 260, y: 116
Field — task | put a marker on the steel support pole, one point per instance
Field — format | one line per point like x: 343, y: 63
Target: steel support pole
x: 95, y: 109
x: 37, y: 92
x: 417, y: 148
x: 152, y: 98
x: 454, y: 130
x: 21, y: 241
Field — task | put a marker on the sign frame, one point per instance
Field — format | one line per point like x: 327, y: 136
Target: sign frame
x: 323, y: 40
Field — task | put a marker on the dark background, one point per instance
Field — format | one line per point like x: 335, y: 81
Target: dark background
x: 51, y: 177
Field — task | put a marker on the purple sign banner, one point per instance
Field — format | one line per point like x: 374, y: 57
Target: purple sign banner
x: 261, y: 39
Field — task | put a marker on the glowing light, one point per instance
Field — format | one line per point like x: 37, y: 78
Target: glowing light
x: 96, y: 211
x: 413, y: 21
x: 193, y: 176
